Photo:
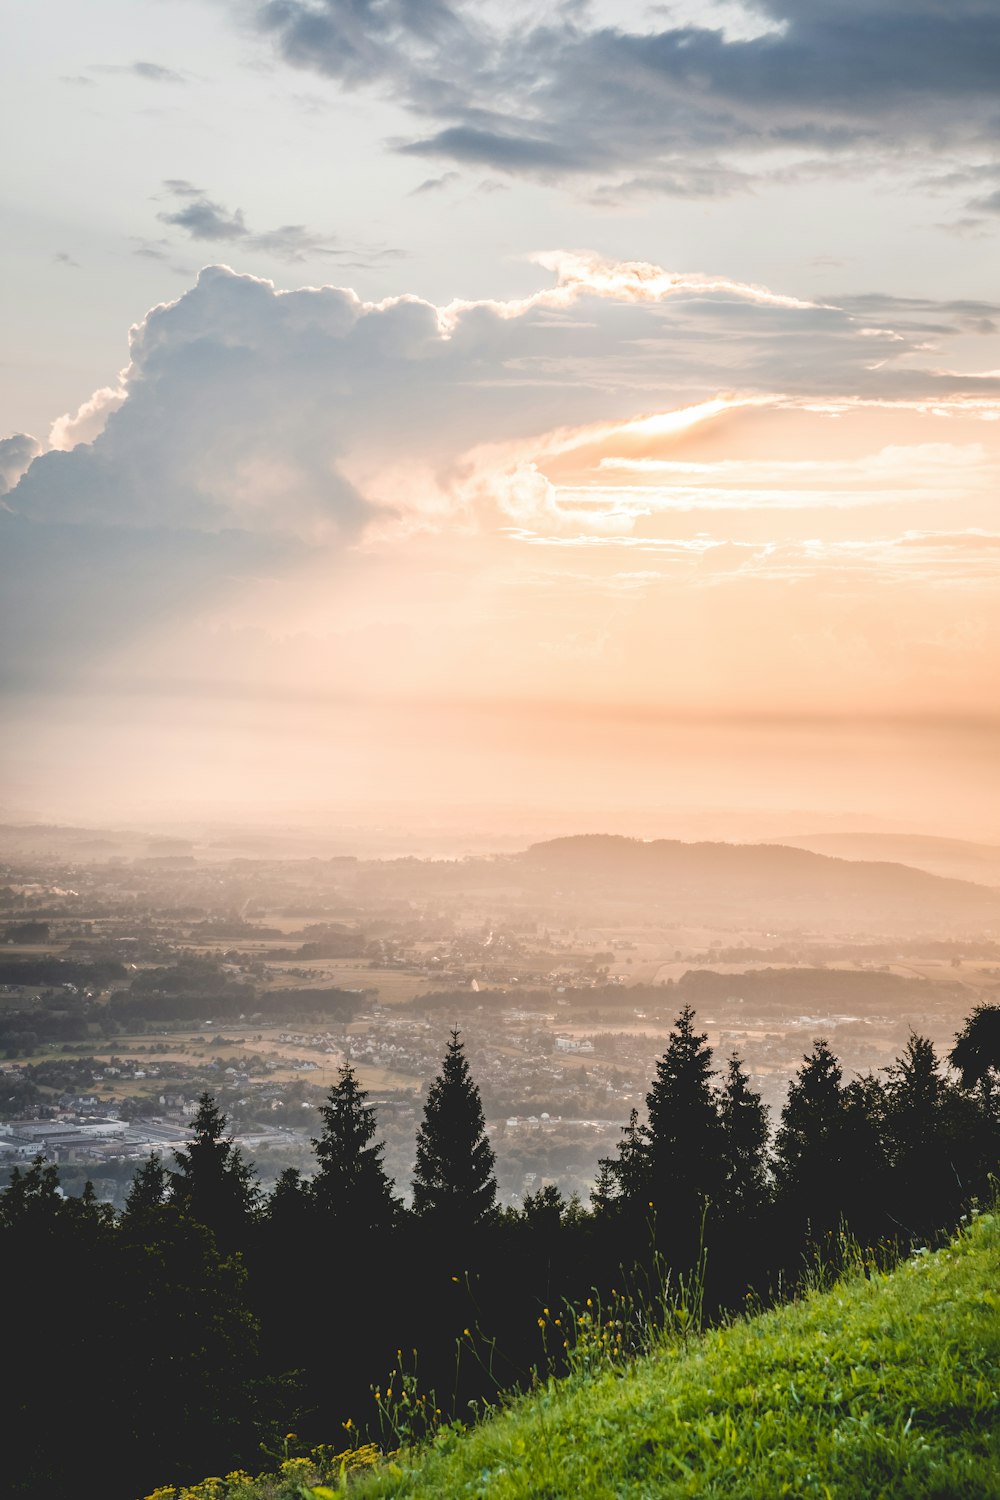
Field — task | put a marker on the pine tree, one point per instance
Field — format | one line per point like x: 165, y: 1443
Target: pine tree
x: 862, y: 1185
x: 915, y: 1092
x: 623, y: 1181
x: 453, y: 1181
x: 745, y: 1133
x: 684, y: 1140
x: 149, y: 1186
x: 928, y: 1155
x: 809, y: 1143
x: 32, y: 1203
x: 976, y: 1053
x: 351, y: 1187
x: 213, y: 1184
x: 290, y: 1204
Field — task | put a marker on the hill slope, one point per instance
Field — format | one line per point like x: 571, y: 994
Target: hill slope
x: 886, y: 1387
x: 957, y: 859
x: 765, y: 881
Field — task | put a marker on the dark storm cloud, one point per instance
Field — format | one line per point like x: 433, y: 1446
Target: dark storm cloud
x: 559, y: 98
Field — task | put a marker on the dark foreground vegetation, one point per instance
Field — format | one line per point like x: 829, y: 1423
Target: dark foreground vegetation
x: 206, y: 1323
x: 882, y: 1385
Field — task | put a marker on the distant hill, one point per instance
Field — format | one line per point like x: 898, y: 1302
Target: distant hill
x: 958, y: 859
x: 761, y: 883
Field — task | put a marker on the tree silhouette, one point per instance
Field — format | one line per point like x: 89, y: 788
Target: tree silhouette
x: 623, y: 1180
x: 859, y: 1179
x: 915, y: 1093
x: 213, y: 1184
x: 745, y: 1133
x: 149, y: 1187
x: 684, y: 1139
x: 351, y: 1187
x: 976, y: 1053
x: 453, y: 1180
x: 810, y: 1119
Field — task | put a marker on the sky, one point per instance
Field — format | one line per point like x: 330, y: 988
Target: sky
x: 582, y: 407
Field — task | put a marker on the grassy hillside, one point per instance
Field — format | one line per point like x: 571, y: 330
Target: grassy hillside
x: 887, y: 1386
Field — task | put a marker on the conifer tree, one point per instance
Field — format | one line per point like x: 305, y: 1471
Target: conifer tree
x: 623, y: 1181
x: 915, y: 1092
x: 32, y: 1202
x: 976, y: 1053
x: 213, y: 1184
x: 290, y: 1202
x: 351, y: 1187
x: 149, y: 1186
x: 810, y: 1139
x: 745, y: 1132
x: 684, y: 1140
x: 860, y: 1178
x: 453, y: 1180
x: 928, y: 1137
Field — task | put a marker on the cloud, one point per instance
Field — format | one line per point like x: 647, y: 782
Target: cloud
x: 88, y: 421
x: 156, y: 73
x: 150, y: 71
x: 63, y: 258
x: 990, y: 204
x: 505, y: 152
x: 292, y: 242
x: 435, y: 184
x: 258, y: 437
x: 652, y: 109
x: 205, y: 219
x: 16, y: 453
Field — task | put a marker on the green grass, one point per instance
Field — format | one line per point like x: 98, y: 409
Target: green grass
x: 883, y: 1386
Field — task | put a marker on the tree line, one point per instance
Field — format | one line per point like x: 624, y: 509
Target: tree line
x: 209, y: 1319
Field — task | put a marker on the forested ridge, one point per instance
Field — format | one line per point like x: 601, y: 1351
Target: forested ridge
x: 207, y: 1321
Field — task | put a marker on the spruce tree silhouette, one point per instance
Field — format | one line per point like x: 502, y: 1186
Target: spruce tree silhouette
x: 622, y: 1184
x: 745, y: 1132
x: 684, y: 1138
x: 931, y: 1133
x: 976, y: 1053
x: 453, y: 1181
x: 149, y: 1187
x: 213, y: 1184
x: 351, y: 1187
x: 809, y: 1144
x: 289, y: 1209
x: 915, y: 1091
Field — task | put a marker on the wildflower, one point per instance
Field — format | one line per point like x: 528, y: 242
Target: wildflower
x: 467, y: 1333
